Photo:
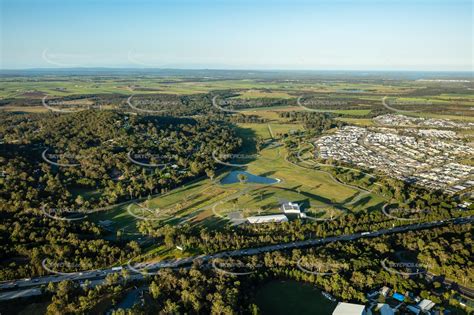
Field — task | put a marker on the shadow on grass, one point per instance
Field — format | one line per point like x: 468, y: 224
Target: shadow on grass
x: 309, y: 195
x: 213, y: 223
x: 377, y: 207
x: 362, y: 201
x: 248, y: 136
x: 351, y: 198
x: 266, y: 174
x: 263, y: 196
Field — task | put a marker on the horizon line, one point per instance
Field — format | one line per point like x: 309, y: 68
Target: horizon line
x: 228, y: 69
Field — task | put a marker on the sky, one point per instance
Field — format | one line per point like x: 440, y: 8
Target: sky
x: 433, y: 35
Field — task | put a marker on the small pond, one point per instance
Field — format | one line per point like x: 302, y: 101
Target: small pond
x: 232, y: 178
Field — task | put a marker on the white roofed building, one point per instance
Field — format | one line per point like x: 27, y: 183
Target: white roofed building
x: 384, y: 309
x: 290, y: 207
x: 425, y: 305
x: 349, y: 309
x: 267, y: 219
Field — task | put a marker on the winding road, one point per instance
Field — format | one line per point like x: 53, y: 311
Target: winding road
x: 384, y: 103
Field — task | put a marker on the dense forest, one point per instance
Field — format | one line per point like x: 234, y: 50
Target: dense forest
x: 96, y: 147
x: 353, y: 269
x: 234, y: 101
x: 316, y: 123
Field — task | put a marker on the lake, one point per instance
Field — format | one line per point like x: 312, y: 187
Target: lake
x: 292, y: 297
x: 232, y: 178
x: 350, y: 91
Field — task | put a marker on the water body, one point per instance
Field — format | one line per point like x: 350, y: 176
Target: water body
x: 130, y: 299
x: 232, y: 178
x: 350, y: 91
x: 292, y: 297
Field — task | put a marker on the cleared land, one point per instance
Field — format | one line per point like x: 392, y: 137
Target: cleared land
x: 209, y: 203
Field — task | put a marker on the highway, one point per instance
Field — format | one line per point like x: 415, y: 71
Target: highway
x: 98, y: 276
x: 23, y: 293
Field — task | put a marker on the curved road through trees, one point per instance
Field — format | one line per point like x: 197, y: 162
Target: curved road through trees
x: 100, y: 274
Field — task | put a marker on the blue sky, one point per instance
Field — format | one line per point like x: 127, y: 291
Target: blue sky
x: 238, y: 34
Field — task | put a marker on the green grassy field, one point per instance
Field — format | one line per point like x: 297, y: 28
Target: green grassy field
x: 457, y: 105
x: 26, y: 109
x: 59, y: 86
x: 260, y: 130
x: 352, y: 112
x: 263, y: 130
x: 318, y: 184
x: 272, y: 113
x: 181, y: 205
x: 207, y: 202
x: 122, y: 220
x: 249, y: 94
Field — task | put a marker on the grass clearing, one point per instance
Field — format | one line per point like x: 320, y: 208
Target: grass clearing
x: 363, y: 122
x: 25, y: 109
x: 261, y: 130
x: 353, y: 112
x: 249, y: 94
x: 314, y: 190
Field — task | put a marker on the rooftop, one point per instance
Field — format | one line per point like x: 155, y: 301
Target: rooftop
x: 268, y: 218
x: 290, y: 207
x: 349, y: 309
